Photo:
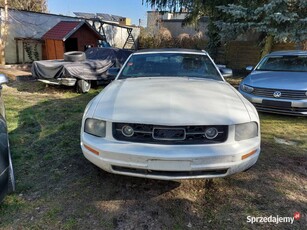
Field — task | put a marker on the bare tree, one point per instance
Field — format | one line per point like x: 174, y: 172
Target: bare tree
x: 30, y: 5
x: 3, y: 31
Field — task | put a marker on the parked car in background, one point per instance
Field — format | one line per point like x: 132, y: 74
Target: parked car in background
x: 80, y: 68
x: 169, y: 114
x: 278, y: 84
x: 7, y: 181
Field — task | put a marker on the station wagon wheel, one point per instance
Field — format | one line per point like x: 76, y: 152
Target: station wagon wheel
x: 11, y: 172
x: 83, y: 86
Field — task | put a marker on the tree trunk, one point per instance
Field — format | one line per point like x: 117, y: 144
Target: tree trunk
x: 267, y: 46
x: 4, y: 31
x: 305, y: 45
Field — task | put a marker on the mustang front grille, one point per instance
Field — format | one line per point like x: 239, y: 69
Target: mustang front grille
x: 157, y: 134
x: 283, y: 94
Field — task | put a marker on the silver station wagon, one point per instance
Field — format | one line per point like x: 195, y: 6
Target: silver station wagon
x: 278, y: 84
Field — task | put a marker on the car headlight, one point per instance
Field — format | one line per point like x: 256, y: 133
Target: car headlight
x: 95, y: 127
x: 246, y: 131
x: 247, y: 89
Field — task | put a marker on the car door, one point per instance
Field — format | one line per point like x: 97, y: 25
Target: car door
x: 7, y: 180
x: 4, y: 153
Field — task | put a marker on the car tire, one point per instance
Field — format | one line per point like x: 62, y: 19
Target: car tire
x: 83, y: 86
x: 74, y: 56
x: 11, y: 178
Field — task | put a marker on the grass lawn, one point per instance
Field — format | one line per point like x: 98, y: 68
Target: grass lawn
x: 57, y: 188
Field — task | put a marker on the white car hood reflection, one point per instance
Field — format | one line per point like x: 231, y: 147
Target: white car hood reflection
x: 171, y: 101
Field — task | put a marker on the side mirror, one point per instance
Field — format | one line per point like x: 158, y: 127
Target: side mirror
x: 226, y: 72
x: 249, y: 68
x: 3, y: 79
x: 112, y: 73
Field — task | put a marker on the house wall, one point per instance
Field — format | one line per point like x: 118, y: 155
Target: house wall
x: 117, y: 36
x: 176, y: 28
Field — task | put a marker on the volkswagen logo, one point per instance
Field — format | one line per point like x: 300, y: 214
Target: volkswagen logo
x: 277, y: 94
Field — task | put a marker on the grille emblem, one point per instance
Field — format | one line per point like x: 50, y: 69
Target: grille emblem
x: 277, y: 94
x: 169, y: 134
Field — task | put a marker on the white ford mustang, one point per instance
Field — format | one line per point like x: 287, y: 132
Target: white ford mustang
x: 169, y: 114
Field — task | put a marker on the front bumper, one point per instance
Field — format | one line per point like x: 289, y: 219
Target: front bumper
x: 170, y: 162
x: 297, y: 107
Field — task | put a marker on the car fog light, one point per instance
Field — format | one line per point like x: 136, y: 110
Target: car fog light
x: 211, y: 133
x: 127, y: 131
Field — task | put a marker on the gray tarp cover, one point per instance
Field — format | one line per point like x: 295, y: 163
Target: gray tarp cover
x: 98, y: 61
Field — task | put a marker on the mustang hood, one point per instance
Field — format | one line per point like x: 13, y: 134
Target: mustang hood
x: 277, y: 80
x: 171, y: 101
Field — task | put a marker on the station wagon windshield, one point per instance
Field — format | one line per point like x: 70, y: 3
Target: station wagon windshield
x: 284, y: 63
x: 170, y: 65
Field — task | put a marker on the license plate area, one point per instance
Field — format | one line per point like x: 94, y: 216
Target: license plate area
x: 169, y: 134
x: 169, y: 165
x: 284, y: 104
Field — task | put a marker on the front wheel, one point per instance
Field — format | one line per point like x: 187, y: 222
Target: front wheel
x: 83, y: 86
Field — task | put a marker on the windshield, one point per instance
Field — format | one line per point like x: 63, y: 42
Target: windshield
x: 284, y: 63
x: 170, y: 65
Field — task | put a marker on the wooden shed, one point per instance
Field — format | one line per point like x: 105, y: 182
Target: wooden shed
x: 69, y: 36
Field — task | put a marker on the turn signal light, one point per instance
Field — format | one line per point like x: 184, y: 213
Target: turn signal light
x: 92, y: 150
x: 248, y: 154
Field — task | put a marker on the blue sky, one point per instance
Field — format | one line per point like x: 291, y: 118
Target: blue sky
x: 128, y: 8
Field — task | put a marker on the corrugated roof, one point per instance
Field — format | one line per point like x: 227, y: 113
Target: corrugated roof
x: 62, y: 29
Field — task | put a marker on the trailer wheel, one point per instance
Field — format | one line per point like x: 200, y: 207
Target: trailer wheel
x: 74, y: 56
x: 83, y: 86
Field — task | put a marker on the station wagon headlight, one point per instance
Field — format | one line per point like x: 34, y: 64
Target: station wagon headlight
x: 246, y: 131
x: 247, y: 89
x: 95, y: 127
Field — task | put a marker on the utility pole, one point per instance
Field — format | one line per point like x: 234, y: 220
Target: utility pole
x: 3, y: 38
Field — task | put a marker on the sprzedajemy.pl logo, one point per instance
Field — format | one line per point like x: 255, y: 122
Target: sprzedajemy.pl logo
x: 273, y: 219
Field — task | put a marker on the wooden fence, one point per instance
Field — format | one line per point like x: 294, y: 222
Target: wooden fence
x: 235, y: 54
